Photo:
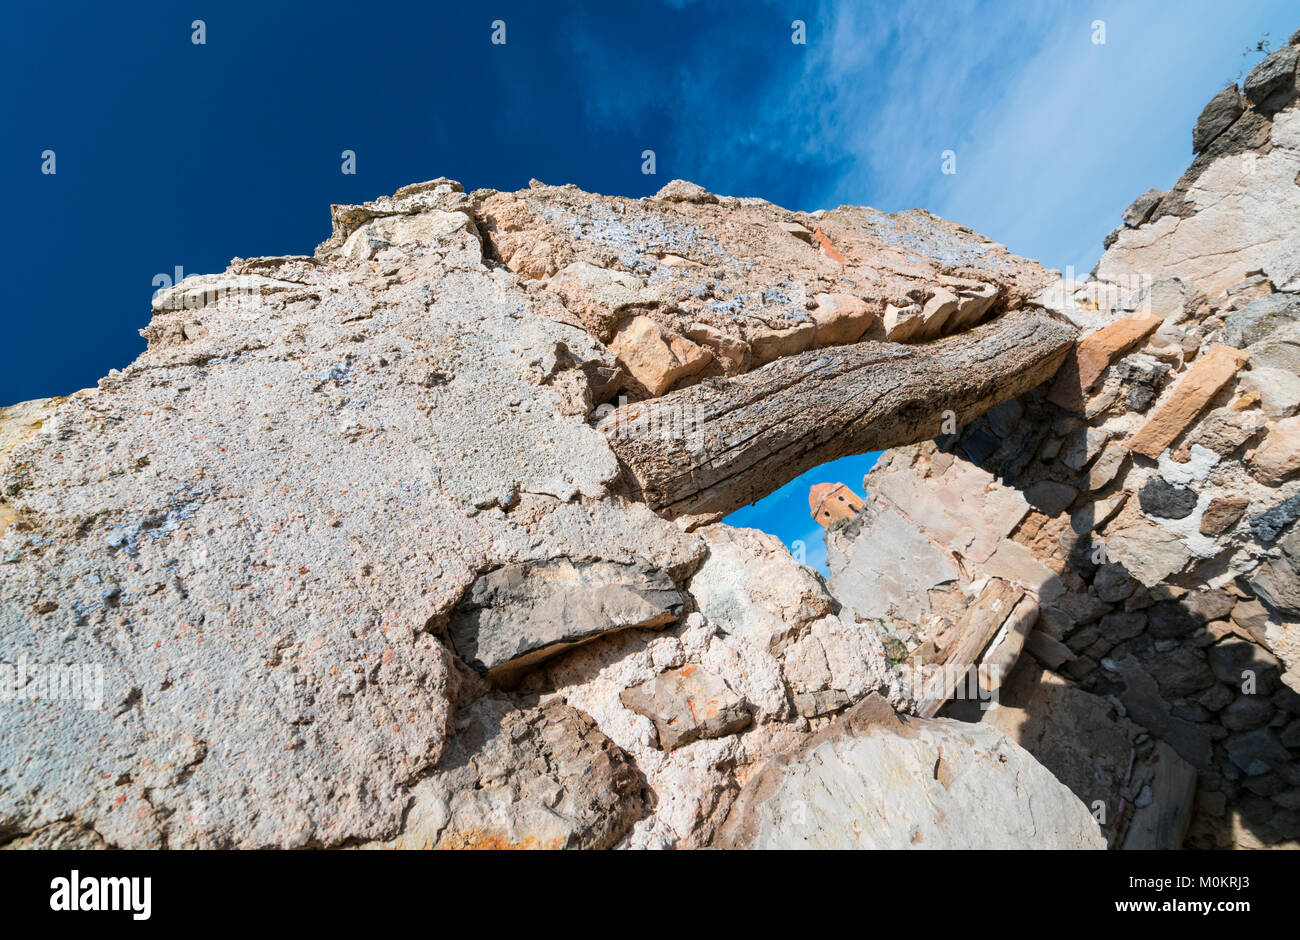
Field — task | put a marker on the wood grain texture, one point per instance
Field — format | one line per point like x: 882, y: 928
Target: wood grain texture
x: 722, y: 444
x: 980, y: 624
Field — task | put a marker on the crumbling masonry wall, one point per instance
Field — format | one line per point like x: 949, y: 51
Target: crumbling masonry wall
x: 413, y: 542
x: 1147, y: 499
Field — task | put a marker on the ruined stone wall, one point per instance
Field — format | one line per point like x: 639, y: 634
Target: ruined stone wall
x: 1146, y: 499
x: 364, y: 547
x: 414, y: 542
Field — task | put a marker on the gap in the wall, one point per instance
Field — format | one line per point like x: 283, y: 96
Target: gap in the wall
x: 785, y: 512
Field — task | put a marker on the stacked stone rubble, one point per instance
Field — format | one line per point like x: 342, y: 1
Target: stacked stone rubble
x: 1148, y: 496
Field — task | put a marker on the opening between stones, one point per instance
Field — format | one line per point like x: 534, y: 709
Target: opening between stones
x: 799, y: 512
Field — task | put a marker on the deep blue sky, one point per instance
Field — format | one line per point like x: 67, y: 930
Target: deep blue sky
x: 174, y: 154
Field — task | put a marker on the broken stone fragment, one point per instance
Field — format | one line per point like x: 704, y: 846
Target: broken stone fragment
x: 1048, y: 650
x: 872, y: 779
x: 1112, y: 583
x: 412, y: 234
x: 801, y: 232
x: 841, y: 318
x: 1050, y: 497
x: 1275, y: 520
x: 1247, y: 713
x: 597, y: 295
x: 1277, y: 459
x: 687, y: 704
x: 1091, y: 516
x: 1281, y: 350
x: 1150, y: 554
x: 1082, y: 446
x: 1169, y: 299
x: 1256, y: 752
x: 1066, y: 299
x: 1165, y: 500
x: 23, y: 420
x: 770, y: 344
x: 1278, y: 390
x: 1121, y: 625
x: 1283, y: 267
x: 974, y: 300
x: 732, y: 353
x: 1260, y: 319
x: 1172, y: 346
x: 524, y: 778
x: 415, y: 217
x: 1141, y: 208
x: 1224, y: 430
x: 658, y: 359
x: 902, y: 324
x: 201, y: 290
x: 1278, y: 582
x: 839, y: 662
x: 1107, y: 466
x: 936, y: 314
x: 1251, y: 617
x: 750, y: 586
x: 871, y: 588
x: 521, y: 614
x: 1271, y: 83
x: 1235, y: 660
x: 686, y: 191
x: 1222, y: 513
x: 1217, y: 117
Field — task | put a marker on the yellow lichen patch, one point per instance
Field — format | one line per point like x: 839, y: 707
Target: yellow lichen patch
x: 21, y: 421
x: 479, y: 841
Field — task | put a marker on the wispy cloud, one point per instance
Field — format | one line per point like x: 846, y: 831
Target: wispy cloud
x: 1053, y: 133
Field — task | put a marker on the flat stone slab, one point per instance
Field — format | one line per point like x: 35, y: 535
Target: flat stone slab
x: 687, y: 704
x: 519, y: 615
x: 874, y: 780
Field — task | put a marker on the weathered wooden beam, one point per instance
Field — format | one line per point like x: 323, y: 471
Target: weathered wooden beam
x: 1162, y: 823
x: 980, y: 624
x: 722, y: 444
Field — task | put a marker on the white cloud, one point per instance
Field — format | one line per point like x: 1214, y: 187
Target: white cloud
x: 1054, y: 135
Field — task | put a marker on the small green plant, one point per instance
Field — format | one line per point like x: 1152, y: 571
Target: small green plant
x: 1262, y: 47
x: 895, y: 649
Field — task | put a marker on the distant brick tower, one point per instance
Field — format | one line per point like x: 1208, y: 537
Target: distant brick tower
x: 831, y: 502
